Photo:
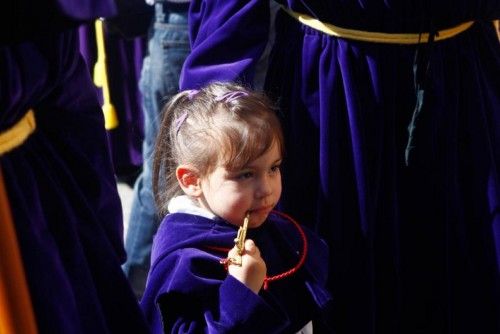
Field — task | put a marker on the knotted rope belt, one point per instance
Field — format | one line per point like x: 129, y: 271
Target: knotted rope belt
x: 18, y: 133
x: 377, y: 37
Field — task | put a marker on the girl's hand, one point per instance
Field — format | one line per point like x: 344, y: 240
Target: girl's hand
x: 253, y: 268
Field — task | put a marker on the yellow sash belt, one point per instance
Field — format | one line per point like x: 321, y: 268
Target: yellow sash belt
x: 376, y: 37
x: 17, y: 134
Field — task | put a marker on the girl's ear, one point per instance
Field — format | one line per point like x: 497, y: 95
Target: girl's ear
x: 189, y: 180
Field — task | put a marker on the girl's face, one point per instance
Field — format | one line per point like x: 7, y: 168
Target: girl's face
x: 256, y: 188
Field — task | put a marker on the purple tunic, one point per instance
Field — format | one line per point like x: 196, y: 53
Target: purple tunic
x: 414, y: 249
x: 189, y: 291
x: 61, y: 188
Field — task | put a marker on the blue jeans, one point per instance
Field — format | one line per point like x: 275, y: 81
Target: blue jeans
x: 168, y: 47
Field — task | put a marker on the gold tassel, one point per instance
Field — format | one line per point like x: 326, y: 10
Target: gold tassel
x: 101, y: 79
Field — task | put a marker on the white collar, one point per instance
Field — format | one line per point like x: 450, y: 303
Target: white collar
x: 185, y: 204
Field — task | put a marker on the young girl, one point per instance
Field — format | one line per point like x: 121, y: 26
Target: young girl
x: 217, y: 161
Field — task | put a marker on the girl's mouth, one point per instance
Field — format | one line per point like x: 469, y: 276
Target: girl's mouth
x: 262, y: 209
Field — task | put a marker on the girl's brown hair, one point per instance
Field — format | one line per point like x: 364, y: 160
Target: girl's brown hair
x: 223, y: 124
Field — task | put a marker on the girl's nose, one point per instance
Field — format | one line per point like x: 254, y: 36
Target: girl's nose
x: 264, y: 188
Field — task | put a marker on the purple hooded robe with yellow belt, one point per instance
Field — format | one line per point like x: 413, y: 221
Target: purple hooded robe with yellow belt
x: 414, y: 248
x: 60, y: 182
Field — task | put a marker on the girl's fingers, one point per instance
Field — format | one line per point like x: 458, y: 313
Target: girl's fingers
x: 250, y: 247
x: 233, y: 252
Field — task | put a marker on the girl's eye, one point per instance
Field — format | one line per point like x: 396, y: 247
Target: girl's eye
x: 244, y: 175
x: 275, y: 169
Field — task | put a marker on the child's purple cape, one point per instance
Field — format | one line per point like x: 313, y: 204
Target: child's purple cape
x: 189, y: 290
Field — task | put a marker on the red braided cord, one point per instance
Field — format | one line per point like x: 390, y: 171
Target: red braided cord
x: 293, y: 270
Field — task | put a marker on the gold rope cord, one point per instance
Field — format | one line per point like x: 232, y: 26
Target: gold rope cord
x: 17, y: 134
x: 376, y: 37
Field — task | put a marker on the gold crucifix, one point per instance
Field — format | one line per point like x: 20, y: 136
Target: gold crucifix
x: 239, y: 241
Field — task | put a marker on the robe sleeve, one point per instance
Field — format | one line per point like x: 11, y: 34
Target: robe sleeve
x: 190, y: 292
x: 227, y: 39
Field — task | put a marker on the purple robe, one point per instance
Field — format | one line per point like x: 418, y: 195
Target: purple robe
x: 124, y: 61
x: 189, y: 291
x: 413, y: 249
x: 61, y: 186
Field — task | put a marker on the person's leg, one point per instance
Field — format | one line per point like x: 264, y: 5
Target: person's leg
x: 168, y: 47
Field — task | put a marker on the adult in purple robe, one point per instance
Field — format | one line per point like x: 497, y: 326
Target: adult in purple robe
x: 60, y: 181
x: 413, y: 224
x: 189, y: 291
